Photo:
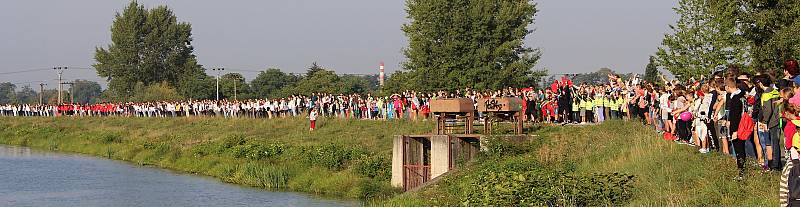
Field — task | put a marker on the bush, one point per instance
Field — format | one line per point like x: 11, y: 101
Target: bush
x: 331, y: 156
x: 109, y: 138
x: 374, y: 166
x: 542, y: 188
x: 499, y: 147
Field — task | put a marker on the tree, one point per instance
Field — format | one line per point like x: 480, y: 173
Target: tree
x: 198, y: 87
x: 595, y: 78
x: 651, y: 72
x: 269, y: 83
x: 7, y: 93
x: 155, y: 92
x: 148, y: 46
x: 234, y: 83
x: 469, y: 43
x: 699, y: 42
x: 354, y: 84
x: 86, y: 91
x: 324, y: 81
x: 26, y: 95
x: 314, y: 68
x: 770, y: 28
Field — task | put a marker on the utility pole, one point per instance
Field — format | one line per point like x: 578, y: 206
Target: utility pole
x: 235, y: 79
x: 60, y: 88
x: 41, y: 93
x: 219, y: 70
x: 71, y: 94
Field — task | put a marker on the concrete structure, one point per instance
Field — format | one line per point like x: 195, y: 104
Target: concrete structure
x: 417, y: 159
x: 502, y: 109
x: 453, y: 115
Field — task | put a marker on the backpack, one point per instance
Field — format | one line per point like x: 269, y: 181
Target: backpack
x: 746, y: 126
x: 746, y: 123
x: 669, y: 137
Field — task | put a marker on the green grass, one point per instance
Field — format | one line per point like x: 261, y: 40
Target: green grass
x: 665, y: 174
x: 343, y: 158
x: 350, y: 158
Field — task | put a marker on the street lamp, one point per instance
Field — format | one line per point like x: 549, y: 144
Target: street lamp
x: 219, y: 70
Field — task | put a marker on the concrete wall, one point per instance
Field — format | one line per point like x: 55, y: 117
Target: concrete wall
x: 440, y: 155
x: 397, y: 162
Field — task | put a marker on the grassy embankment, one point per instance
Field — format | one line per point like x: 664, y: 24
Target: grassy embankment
x: 344, y: 158
x: 664, y: 174
x: 564, y: 166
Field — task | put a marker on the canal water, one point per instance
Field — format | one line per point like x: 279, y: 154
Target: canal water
x: 40, y: 178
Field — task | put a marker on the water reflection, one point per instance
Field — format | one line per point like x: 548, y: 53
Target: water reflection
x: 37, y: 178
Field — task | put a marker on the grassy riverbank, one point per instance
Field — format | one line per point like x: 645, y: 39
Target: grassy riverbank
x: 616, y: 163
x: 344, y: 158
x: 664, y: 173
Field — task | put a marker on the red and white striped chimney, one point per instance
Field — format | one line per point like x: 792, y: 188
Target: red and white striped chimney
x: 382, y: 74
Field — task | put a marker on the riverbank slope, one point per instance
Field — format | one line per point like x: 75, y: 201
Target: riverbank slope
x: 613, y: 164
x: 616, y: 163
x: 343, y: 158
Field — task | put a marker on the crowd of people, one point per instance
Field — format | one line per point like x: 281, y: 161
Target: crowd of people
x: 730, y: 111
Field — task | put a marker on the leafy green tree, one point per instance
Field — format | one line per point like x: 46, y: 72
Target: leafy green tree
x: 314, y: 68
x: 699, y: 42
x: 469, y: 43
x: 770, y: 28
x: 595, y: 78
x: 26, y: 95
x: 198, y: 87
x: 268, y: 83
x: 86, y: 91
x: 324, y: 81
x: 354, y: 84
x: 155, y: 92
x: 148, y: 46
x: 651, y: 72
x: 7, y: 93
x: 234, y: 83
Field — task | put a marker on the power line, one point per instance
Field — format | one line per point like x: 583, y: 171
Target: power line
x: 25, y: 71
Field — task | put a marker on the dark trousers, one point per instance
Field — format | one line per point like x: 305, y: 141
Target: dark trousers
x: 775, y: 134
x: 712, y: 135
x: 741, y: 155
x: 682, y: 129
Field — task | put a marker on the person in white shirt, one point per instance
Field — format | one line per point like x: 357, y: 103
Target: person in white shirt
x: 313, y: 118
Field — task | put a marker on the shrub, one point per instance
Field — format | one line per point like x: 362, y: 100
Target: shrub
x: 331, y: 156
x: 233, y: 140
x: 542, y: 188
x: 109, y: 138
x: 498, y: 147
x: 373, y: 166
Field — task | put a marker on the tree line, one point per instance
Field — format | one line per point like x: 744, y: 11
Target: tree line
x: 755, y: 35
x: 82, y: 91
x: 453, y: 44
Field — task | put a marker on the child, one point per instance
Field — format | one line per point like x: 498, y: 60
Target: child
x: 313, y: 117
x: 792, y: 143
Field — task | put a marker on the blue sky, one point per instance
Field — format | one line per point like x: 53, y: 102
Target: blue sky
x: 350, y: 36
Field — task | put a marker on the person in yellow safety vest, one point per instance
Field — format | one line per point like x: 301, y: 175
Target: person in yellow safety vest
x: 584, y: 108
x: 621, y: 105
x: 607, y: 105
x: 590, y: 109
x: 614, y: 108
x: 598, y: 105
x: 575, y: 109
